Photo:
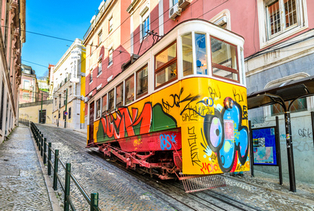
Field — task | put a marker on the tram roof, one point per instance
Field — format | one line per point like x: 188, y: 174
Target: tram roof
x: 287, y: 91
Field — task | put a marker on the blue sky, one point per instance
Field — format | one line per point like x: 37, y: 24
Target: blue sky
x: 63, y: 19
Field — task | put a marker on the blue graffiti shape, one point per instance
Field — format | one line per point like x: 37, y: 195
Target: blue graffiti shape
x: 166, y: 140
x: 225, y: 135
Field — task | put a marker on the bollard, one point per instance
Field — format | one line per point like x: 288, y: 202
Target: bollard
x: 55, y: 170
x: 49, y: 158
x: 94, y: 202
x: 45, y: 150
x: 41, y: 145
x: 67, y: 187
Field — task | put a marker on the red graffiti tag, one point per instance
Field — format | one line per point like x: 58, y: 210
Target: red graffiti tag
x: 209, y: 167
x: 124, y: 122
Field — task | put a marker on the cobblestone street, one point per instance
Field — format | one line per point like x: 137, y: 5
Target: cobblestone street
x: 22, y: 185
x: 119, y: 191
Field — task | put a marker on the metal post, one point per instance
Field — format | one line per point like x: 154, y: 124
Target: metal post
x: 251, y: 149
x: 67, y: 187
x: 55, y: 170
x: 66, y: 107
x: 94, y: 202
x: 41, y: 109
x: 42, y: 145
x: 45, y: 150
x: 312, y: 121
x: 278, y: 152
x: 290, y: 152
x: 49, y: 158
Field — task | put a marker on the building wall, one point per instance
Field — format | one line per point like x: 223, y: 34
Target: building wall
x: 30, y: 111
x: 69, y: 74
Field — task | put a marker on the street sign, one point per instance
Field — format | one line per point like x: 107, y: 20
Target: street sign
x: 65, y: 113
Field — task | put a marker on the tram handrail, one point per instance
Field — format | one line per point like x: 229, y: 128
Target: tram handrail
x: 42, y: 146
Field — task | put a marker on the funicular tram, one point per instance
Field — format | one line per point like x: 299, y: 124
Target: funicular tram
x: 179, y: 110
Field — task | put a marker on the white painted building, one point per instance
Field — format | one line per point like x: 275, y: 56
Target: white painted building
x: 68, y: 88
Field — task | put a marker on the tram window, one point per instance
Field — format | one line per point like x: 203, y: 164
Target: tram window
x: 201, y: 56
x: 104, y: 104
x: 141, y: 82
x: 129, y: 90
x: 111, y: 100
x: 119, y: 97
x: 97, y: 108
x: 187, y: 54
x: 224, y: 59
x: 166, y: 65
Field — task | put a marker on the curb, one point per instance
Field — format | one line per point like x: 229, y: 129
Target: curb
x: 51, y: 193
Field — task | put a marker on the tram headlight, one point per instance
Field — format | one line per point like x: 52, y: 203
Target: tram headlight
x: 228, y: 103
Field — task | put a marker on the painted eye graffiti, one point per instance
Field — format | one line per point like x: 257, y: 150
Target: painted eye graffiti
x: 225, y: 135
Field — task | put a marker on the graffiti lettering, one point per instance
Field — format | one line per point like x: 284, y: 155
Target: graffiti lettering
x: 193, y: 146
x: 209, y: 167
x: 213, y: 93
x: 245, y: 113
x: 166, y: 140
x: 117, y: 127
x: 193, y: 112
x: 305, y: 133
x: 238, y: 97
x: 176, y: 101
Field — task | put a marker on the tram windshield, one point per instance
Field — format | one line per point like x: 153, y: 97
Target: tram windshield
x: 223, y: 56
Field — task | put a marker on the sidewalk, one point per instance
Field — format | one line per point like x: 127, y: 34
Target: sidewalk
x: 22, y: 184
x: 83, y: 131
x: 269, y: 182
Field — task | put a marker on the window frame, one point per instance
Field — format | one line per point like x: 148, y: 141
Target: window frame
x: 102, y: 104
x: 91, y: 77
x: 116, y: 95
x: 110, y: 56
x: 99, y: 68
x: 114, y: 104
x: 145, y: 17
x: 100, y: 37
x: 164, y: 66
x: 135, y: 88
x: 228, y: 69
x: 98, y: 110
x: 302, y: 23
x: 110, y: 24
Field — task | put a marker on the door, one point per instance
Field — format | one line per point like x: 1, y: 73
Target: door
x: 91, y: 123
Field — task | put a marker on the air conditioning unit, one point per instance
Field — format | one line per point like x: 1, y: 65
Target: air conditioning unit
x: 174, y: 12
x: 183, y: 3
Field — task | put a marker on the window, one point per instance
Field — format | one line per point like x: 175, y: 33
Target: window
x: 70, y: 90
x: 283, y: 18
x: 119, y: 95
x: 187, y: 54
x: 224, y: 59
x: 201, y: 55
x: 91, y: 49
x: 70, y: 113
x: 99, y: 68
x: 27, y: 84
x: 110, y: 24
x: 55, y: 101
x: 110, y: 61
x: 141, y: 82
x: 281, y: 14
x: 111, y: 101
x: 166, y: 65
x: 25, y: 96
x: 91, y: 77
x: 145, y: 24
x: 104, y: 104
x: 97, y: 108
x: 99, y: 37
x: 298, y: 105
x: 129, y: 90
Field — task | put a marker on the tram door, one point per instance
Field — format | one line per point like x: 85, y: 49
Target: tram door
x: 91, y: 123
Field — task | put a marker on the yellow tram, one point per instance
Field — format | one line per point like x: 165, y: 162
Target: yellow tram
x: 181, y: 107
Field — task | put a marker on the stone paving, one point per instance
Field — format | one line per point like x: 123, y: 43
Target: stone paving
x: 22, y: 185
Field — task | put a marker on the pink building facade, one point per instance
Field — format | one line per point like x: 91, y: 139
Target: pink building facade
x: 279, y: 40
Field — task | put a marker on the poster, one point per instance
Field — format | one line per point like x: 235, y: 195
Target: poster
x: 264, y: 146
